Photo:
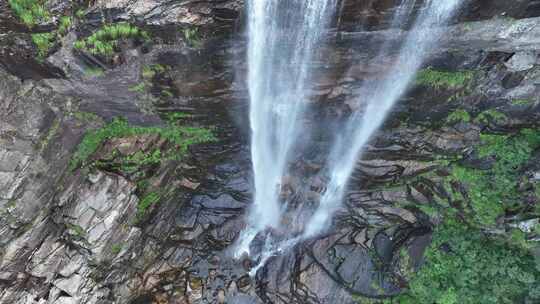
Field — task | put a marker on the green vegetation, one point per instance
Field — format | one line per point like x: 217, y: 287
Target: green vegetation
x: 149, y: 71
x: 31, y: 12
x: 458, y: 115
x: 441, y: 79
x: 94, y: 71
x: 65, y: 24
x: 167, y: 93
x: 76, y: 230
x: 133, y: 163
x: 43, y: 42
x: 86, y: 116
x: 490, y: 115
x: 465, y: 265
x: 179, y: 137
x: 490, y: 192
x: 192, y: 37
x: 146, y: 202
x: 522, y: 102
x: 176, y: 116
x: 80, y: 14
x: 10, y: 204
x: 467, y: 26
x: 116, y: 248
x: 50, y: 135
x: 104, y: 41
x: 138, y: 88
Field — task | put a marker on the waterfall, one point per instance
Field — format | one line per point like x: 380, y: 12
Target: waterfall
x: 420, y: 40
x: 403, y: 13
x: 282, y: 41
x: 283, y: 37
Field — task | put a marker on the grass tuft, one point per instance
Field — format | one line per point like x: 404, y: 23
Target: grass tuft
x: 442, y: 79
x: 180, y: 137
x: 491, y: 115
x: 146, y: 202
x: 105, y: 40
x: 458, y: 115
x: 43, y: 42
x: 31, y: 12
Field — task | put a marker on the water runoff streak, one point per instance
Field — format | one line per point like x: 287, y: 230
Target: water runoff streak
x: 421, y: 39
x: 283, y: 37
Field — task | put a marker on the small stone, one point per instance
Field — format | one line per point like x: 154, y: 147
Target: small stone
x: 232, y: 288
x: 189, y: 184
x: 70, y: 285
x: 94, y: 178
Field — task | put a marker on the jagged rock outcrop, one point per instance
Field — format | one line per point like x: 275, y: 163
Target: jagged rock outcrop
x: 94, y: 233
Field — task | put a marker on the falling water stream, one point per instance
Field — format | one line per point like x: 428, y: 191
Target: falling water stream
x: 382, y: 95
x: 283, y: 38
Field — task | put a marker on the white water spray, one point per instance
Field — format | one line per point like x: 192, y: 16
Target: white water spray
x: 283, y: 38
x: 277, y: 92
x: 419, y: 42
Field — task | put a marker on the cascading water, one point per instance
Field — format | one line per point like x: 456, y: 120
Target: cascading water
x: 283, y: 38
x: 403, y: 13
x: 277, y: 92
x: 421, y: 39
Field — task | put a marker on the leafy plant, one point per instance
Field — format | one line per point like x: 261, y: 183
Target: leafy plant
x: 105, y: 40
x: 491, y: 191
x: 192, y: 37
x: 94, y: 71
x: 31, y: 12
x: 140, y: 159
x: 139, y: 88
x: 149, y: 71
x: 176, y: 116
x: 491, y: 115
x: 43, y: 42
x: 116, y: 248
x: 167, y: 94
x: 65, y: 24
x: 464, y: 266
x: 86, y: 116
x: 146, y: 202
x: 80, y: 14
x: 442, y: 79
x: 458, y: 115
x: 180, y: 138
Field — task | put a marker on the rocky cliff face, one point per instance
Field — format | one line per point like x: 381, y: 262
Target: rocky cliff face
x: 102, y: 202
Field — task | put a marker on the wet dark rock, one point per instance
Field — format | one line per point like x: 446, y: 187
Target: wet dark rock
x: 373, y: 15
x: 512, y: 80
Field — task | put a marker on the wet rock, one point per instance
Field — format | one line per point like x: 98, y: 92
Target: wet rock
x: 522, y: 61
